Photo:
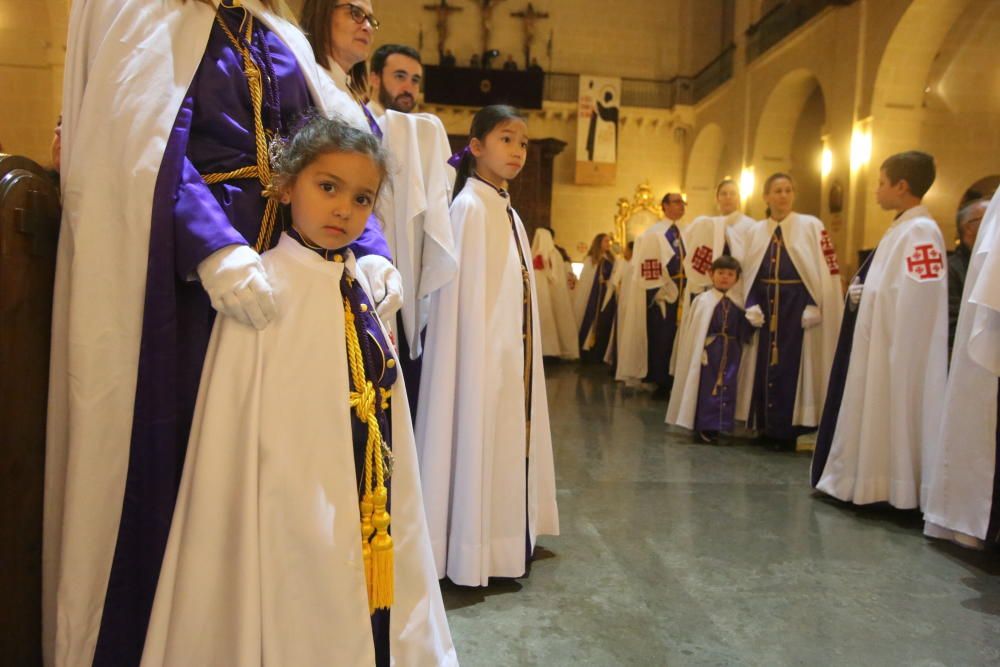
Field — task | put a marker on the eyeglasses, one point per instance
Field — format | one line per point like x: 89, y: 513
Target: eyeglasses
x: 359, y: 16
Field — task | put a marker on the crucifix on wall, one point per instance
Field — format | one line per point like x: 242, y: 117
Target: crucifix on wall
x: 442, y: 13
x: 529, y: 16
x: 486, y: 8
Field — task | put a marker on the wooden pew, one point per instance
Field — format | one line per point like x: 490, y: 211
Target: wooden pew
x: 29, y: 226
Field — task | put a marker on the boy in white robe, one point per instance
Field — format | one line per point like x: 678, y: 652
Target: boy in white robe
x: 883, y: 407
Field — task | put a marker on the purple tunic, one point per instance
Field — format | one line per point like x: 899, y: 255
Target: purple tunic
x: 213, y: 132
x: 728, y: 331
x: 838, y: 382
x: 662, y: 329
x: 605, y: 319
x: 779, y: 291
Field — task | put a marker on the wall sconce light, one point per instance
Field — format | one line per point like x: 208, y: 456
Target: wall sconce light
x: 861, y: 147
x: 826, y: 163
x: 747, y: 183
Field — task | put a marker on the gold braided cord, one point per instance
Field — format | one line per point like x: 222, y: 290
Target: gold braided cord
x: 377, y: 551
x: 262, y: 170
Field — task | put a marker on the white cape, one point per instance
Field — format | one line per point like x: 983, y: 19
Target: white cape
x: 706, y: 238
x: 128, y: 66
x: 890, y: 415
x: 555, y: 308
x: 415, y: 208
x: 683, y: 406
x: 812, y: 252
x: 263, y: 565
x: 961, y: 477
x: 471, y: 438
x: 651, y: 252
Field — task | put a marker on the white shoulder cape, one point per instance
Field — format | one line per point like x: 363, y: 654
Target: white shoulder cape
x: 961, y: 477
x: 415, y: 208
x: 812, y: 252
x: 114, y: 136
x: 651, y: 251
x: 471, y: 437
x: 683, y: 405
x: 890, y: 415
x: 263, y: 565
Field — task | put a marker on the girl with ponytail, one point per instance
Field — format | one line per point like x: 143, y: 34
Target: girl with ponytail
x: 485, y: 445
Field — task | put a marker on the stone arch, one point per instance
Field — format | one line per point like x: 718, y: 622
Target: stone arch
x: 703, y: 170
x: 788, y: 138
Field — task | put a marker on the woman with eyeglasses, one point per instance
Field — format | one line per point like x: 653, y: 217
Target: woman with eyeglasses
x: 342, y: 35
x: 168, y: 112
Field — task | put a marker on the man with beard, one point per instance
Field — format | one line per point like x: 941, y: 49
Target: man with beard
x: 395, y: 77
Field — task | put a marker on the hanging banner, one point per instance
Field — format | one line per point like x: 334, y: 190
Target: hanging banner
x: 597, y: 130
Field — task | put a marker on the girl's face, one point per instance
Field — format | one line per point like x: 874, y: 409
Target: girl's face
x: 350, y: 41
x: 780, y: 198
x: 728, y: 198
x: 332, y: 198
x: 606, y: 244
x: 501, y: 154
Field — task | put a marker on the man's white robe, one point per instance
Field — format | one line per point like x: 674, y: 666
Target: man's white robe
x: 263, y: 565
x: 651, y: 247
x: 706, y: 239
x: 472, y: 438
x: 414, y: 207
x: 812, y: 252
x: 129, y: 64
x: 961, y: 474
x: 890, y: 414
x: 555, y: 306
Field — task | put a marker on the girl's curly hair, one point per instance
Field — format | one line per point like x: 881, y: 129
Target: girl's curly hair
x: 317, y: 135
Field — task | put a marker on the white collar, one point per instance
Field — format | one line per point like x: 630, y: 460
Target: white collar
x: 918, y: 211
x: 338, y: 75
x: 309, y: 257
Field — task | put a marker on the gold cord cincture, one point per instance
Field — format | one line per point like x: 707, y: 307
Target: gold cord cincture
x: 377, y: 550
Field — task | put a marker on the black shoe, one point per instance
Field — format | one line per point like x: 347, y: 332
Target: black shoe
x: 661, y: 394
x: 782, y: 444
x: 706, y: 437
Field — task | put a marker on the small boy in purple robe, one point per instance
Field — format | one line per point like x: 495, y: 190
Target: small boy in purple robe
x: 709, y: 351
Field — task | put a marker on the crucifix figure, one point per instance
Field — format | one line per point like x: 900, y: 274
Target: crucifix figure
x: 442, y: 13
x: 486, y: 11
x: 529, y: 16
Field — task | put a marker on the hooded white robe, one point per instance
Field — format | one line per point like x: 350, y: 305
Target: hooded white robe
x: 555, y: 307
x: 650, y: 246
x: 890, y: 414
x: 961, y: 477
x: 263, y: 565
x: 472, y: 438
x: 415, y: 210
x: 706, y: 239
x: 129, y: 64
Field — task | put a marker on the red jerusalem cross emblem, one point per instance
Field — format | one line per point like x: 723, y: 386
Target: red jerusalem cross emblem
x: 652, y: 269
x: 701, y: 260
x: 829, y: 253
x: 925, y: 263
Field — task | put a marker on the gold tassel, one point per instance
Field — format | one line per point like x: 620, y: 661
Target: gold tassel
x: 382, y: 566
x: 377, y: 551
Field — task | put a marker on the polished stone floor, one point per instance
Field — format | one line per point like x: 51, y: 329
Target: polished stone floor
x: 673, y: 553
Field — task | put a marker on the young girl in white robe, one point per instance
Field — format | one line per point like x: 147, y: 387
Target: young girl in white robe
x: 301, y: 444
x: 484, y: 442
